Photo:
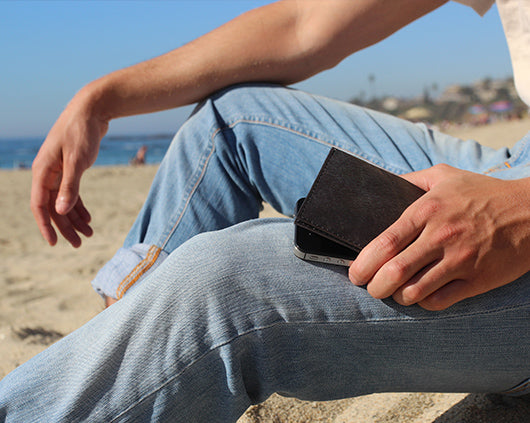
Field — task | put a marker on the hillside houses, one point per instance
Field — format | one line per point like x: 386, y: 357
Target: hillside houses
x: 478, y: 103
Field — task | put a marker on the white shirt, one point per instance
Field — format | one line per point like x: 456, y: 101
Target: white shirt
x: 515, y: 17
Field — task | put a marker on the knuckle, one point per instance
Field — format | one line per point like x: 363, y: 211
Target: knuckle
x: 388, y: 242
x: 397, y: 269
x: 37, y: 207
x: 467, y: 254
x: 429, y: 207
x: 447, y: 233
x: 68, y: 187
x: 441, y: 166
x: 355, y: 274
x: 375, y: 291
x: 412, y: 294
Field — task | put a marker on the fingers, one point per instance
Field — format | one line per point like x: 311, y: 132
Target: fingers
x: 70, y: 148
x: 403, y: 273
x: 82, y: 211
x: 403, y: 262
x: 68, y: 190
x: 67, y: 229
x: 444, y: 248
x: 383, y: 248
x: 74, y: 223
x: 43, y: 206
x: 40, y: 199
x: 447, y: 295
x: 80, y: 219
x: 422, y: 285
x: 418, y: 276
x: 39, y: 207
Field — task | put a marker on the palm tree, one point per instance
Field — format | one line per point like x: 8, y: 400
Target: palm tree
x: 371, y: 80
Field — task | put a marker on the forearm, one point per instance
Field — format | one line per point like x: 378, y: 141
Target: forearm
x: 284, y: 42
x: 260, y: 45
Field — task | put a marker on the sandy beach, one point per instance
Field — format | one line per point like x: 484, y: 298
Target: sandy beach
x: 46, y: 294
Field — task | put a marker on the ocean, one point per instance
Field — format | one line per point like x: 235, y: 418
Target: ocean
x: 18, y: 153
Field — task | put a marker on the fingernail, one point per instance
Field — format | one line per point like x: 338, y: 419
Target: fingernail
x: 356, y: 281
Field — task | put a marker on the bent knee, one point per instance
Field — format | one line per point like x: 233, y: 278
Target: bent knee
x: 228, y: 264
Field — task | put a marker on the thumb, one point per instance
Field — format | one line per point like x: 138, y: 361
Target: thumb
x: 68, y: 191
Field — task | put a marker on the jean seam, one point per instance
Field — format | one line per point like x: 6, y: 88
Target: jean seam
x: 145, y: 264
x: 198, y: 175
x: 203, y: 164
x: 435, y: 317
x: 309, y: 323
x: 317, y: 137
x: 513, y: 158
x: 275, y: 123
x: 201, y: 169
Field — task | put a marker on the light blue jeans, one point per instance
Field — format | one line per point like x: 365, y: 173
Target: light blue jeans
x: 217, y: 313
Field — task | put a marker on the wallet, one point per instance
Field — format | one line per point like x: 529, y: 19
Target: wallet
x: 352, y: 201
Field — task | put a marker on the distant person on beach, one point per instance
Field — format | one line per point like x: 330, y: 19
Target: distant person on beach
x: 139, y: 158
x: 215, y: 313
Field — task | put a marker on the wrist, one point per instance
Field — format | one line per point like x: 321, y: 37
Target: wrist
x: 94, y: 100
x: 126, y: 92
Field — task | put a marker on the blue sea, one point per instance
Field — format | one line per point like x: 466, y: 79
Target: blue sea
x: 16, y: 153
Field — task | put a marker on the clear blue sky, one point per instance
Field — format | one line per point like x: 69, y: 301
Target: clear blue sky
x: 50, y: 49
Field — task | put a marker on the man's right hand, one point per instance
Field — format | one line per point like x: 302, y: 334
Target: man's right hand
x: 467, y: 235
x: 70, y: 148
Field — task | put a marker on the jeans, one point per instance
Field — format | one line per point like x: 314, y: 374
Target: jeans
x: 216, y: 312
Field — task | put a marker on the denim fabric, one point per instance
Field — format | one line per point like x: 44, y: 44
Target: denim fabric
x: 253, y: 144
x: 222, y: 318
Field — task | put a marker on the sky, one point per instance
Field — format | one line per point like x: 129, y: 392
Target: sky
x: 50, y: 49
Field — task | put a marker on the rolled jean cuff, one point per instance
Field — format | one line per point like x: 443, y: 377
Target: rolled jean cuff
x: 519, y: 390
x: 127, y: 269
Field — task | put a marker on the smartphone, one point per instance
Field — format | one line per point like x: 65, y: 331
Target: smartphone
x: 313, y: 247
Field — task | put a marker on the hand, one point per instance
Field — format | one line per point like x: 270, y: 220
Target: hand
x: 70, y: 148
x: 467, y: 235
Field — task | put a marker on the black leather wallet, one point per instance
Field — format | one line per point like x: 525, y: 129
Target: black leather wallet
x: 352, y: 201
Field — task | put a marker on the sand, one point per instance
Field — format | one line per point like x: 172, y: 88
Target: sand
x: 46, y: 294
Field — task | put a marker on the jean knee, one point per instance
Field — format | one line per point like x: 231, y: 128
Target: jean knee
x: 221, y: 111
x: 206, y: 269
x: 216, y: 274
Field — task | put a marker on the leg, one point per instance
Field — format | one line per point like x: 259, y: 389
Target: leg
x: 232, y: 316
x: 260, y: 143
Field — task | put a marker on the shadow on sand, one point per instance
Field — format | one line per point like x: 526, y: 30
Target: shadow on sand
x: 488, y: 409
